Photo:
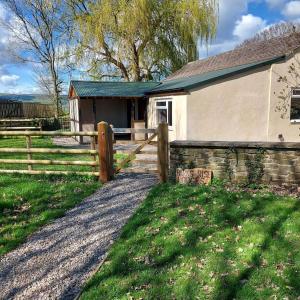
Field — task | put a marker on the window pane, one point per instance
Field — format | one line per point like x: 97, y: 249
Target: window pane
x: 161, y: 116
x: 295, y: 109
x: 160, y: 104
x: 170, y: 113
x: 296, y: 92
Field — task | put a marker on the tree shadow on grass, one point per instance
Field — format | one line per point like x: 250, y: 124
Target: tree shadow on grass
x: 225, y: 216
x: 230, y: 290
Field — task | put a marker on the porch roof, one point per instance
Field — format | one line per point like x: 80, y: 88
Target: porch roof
x: 102, y: 89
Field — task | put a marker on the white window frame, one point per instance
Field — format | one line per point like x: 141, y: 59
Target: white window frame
x: 167, y: 100
x: 294, y: 97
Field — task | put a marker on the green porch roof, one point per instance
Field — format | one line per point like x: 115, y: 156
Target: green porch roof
x: 188, y: 83
x: 111, y: 88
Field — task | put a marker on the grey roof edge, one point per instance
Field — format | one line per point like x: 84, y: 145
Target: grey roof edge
x: 188, y: 87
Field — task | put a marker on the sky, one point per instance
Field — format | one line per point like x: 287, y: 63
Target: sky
x: 238, y: 20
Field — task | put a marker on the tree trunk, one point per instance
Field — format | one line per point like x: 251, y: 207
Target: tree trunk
x: 56, y: 92
x: 136, y: 65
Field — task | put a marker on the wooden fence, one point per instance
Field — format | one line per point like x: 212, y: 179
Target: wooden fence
x: 102, y: 153
x: 10, y: 109
x: 35, y: 124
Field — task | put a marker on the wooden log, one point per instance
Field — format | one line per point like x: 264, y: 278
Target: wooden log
x: 42, y: 172
x: 22, y: 128
x: 163, y: 152
x: 113, y: 135
x: 10, y: 120
x: 46, y: 150
x: 105, y: 152
x: 133, y: 130
x: 29, y: 155
x: 49, y: 162
x: 93, y: 148
x: 48, y: 133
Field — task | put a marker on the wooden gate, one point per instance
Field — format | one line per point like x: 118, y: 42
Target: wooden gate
x: 105, y: 143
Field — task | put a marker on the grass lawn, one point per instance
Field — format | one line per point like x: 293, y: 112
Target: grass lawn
x: 40, y: 142
x: 189, y: 242
x: 29, y: 201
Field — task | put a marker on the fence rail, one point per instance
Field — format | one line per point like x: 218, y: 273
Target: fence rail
x: 50, y: 123
x: 48, y: 133
x: 47, y: 150
x: 101, y: 154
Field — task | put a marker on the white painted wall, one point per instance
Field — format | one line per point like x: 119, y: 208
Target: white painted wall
x: 232, y: 109
x: 74, y: 115
x: 279, y: 122
x: 179, y: 115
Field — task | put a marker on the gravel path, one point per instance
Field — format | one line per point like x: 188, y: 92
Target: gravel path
x: 56, y: 261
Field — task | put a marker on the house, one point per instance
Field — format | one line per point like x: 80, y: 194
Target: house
x: 121, y: 104
x: 234, y: 96
x: 247, y: 94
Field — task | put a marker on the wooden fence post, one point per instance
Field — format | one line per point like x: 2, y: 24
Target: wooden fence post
x: 105, y: 146
x: 93, y: 147
x: 28, y: 146
x: 163, y: 152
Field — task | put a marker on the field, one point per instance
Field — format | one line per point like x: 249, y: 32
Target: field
x: 189, y: 242
x: 28, y: 202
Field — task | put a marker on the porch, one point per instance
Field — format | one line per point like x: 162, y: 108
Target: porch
x: 120, y: 104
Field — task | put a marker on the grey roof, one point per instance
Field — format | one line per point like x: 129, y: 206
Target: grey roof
x: 247, y: 54
x: 188, y: 83
x: 111, y: 88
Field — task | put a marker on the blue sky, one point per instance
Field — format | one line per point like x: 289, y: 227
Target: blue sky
x: 238, y: 20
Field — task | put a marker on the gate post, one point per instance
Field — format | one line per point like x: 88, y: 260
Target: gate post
x: 163, y: 151
x: 105, y: 148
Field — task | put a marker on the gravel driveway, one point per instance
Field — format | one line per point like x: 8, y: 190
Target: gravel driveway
x: 56, y: 261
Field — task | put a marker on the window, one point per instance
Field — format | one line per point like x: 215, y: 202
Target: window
x: 295, y: 104
x: 164, y: 111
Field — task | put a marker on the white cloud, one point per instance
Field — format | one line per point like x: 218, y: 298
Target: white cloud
x: 292, y: 10
x: 9, y: 80
x: 247, y: 26
x: 275, y: 4
x: 234, y: 26
x: 229, y: 12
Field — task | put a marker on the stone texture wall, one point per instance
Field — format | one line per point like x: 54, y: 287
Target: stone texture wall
x: 280, y: 162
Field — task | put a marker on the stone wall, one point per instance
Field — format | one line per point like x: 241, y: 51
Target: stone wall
x: 278, y: 162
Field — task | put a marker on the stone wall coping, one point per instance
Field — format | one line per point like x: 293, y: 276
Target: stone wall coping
x: 241, y: 145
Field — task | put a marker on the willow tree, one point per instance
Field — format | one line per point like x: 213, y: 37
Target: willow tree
x: 136, y: 40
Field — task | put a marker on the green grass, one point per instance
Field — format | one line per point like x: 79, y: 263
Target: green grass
x: 38, y: 142
x: 28, y: 202
x: 189, y: 242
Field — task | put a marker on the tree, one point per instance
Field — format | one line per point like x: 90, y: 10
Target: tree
x: 39, y: 29
x: 136, y: 40
x: 276, y: 30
